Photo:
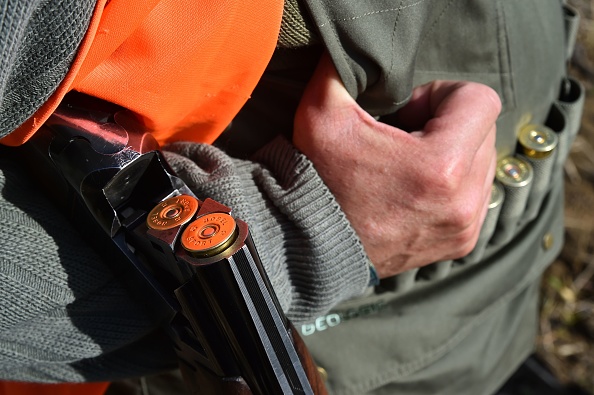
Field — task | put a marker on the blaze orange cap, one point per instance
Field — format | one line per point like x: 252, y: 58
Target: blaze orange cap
x: 185, y: 67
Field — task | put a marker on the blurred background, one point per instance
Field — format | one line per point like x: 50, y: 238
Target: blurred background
x: 566, y: 341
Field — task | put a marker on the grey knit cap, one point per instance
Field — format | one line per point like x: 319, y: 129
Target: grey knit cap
x: 38, y: 42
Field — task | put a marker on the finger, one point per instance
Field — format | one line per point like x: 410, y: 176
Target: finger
x: 415, y: 114
x: 463, y: 114
x: 476, y: 196
x: 327, y: 114
x: 482, y: 215
x: 486, y: 154
x: 482, y: 167
x: 325, y: 89
x: 488, y: 183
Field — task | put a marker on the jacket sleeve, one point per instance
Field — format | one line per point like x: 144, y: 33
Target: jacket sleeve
x: 373, y: 45
x: 65, y: 316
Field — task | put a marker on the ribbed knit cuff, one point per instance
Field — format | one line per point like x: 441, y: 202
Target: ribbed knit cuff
x: 311, y: 253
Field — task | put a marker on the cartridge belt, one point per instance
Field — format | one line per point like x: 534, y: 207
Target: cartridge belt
x: 420, y: 304
x: 460, y: 326
x: 521, y: 185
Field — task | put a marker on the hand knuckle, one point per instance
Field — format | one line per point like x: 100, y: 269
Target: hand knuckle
x: 461, y: 217
x: 492, y: 96
x: 486, y: 94
x: 472, y: 236
x: 467, y: 248
x: 446, y: 178
x: 463, y: 244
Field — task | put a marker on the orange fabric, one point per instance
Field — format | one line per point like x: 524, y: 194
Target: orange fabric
x: 186, y: 67
x: 18, y: 388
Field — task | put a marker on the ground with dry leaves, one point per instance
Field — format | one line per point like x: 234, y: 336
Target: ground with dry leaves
x: 566, y: 340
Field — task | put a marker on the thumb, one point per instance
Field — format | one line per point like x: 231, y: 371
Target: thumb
x: 326, y: 108
x: 325, y: 91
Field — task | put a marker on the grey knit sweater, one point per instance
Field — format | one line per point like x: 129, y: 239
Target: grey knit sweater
x: 63, y: 314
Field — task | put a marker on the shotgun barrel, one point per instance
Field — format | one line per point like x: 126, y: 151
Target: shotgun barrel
x: 227, y: 327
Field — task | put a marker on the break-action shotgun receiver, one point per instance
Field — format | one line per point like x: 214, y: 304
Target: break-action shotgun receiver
x: 228, y: 330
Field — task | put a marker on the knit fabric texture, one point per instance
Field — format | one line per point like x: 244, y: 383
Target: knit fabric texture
x: 65, y: 316
x: 38, y: 42
x: 309, y: 250
x: 296, y: 28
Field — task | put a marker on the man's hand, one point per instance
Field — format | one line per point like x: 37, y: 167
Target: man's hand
x: 413, y: 197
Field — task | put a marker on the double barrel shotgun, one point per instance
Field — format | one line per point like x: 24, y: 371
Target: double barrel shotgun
x: 200, y: 263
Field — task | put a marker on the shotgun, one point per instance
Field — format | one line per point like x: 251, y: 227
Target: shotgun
x: 225, y: 322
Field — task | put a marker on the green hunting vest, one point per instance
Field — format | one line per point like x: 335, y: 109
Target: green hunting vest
x: 455, y: 327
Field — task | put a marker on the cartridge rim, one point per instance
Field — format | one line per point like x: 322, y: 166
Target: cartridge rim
x: 209, y: 234
x: 514, y: 172
x: 537, y: 141
x: 497, y: 195
x: 172, y: 212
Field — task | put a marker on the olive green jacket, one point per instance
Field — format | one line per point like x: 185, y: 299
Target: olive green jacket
x: 455, y: 327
